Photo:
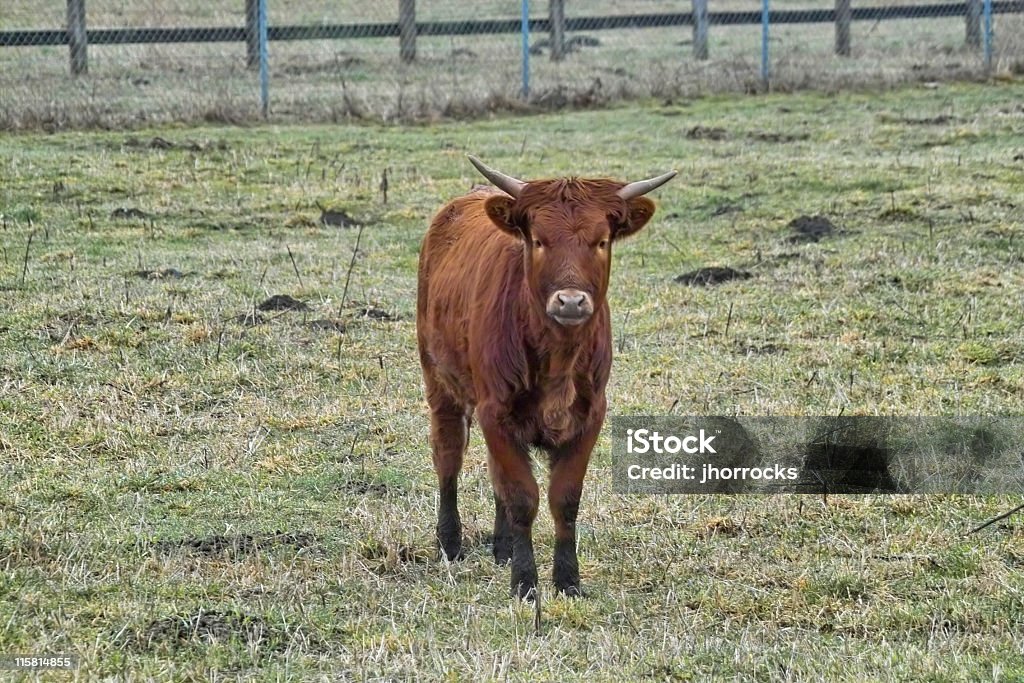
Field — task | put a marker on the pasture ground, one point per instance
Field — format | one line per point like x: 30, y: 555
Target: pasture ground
x: 190, y: 485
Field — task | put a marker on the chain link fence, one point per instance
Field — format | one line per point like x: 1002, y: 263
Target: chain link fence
x: 117, y: 63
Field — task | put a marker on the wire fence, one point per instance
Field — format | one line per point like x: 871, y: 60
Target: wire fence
x: 69, y: 63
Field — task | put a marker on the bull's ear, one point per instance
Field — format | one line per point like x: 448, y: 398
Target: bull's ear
x: 638, y: 211
x: 499, y: 210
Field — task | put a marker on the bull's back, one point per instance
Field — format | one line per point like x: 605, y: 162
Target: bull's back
x: 462, y: 258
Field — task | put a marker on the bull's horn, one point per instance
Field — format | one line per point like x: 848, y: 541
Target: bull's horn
x: 500, y: 180
x: 642, y: 187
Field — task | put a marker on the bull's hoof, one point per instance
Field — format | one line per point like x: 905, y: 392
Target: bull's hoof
x: 524, y: 592
x: 450, y: 550
x: 524, y: 584
x: 502, y: 551
x: 573, y: 590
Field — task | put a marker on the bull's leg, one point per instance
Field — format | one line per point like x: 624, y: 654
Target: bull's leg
x: 502, y: 533
x: 568, y: 468
x: 516, y: 490
x: 449, y: 434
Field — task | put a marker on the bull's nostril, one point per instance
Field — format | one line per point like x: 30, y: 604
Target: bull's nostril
x: 574, y: 300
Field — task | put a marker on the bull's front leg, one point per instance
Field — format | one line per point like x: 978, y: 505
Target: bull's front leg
x: 568, y: 469
x: 516, y: 493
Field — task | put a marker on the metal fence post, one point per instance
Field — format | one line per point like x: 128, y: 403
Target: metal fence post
x: 524, y: 27
x: 988, y: 35
x: 765, y: 15
x: 264, y: 58
x: 843, y: 17
x: 78, y: 41
x: 252, y: 35
x: 700, y: 29
x: 407, y: 30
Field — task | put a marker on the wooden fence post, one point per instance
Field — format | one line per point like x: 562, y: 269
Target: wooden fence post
x: 556, y: 14
x: 78, y: 41
x: 407, y: 30
x: 700, y: 29
x: 843, y: 18
x: 252, y: 35
x: 973, y: 24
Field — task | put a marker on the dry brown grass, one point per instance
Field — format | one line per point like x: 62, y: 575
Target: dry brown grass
x: 457, y: 77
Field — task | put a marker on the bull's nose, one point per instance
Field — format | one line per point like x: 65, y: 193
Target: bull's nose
x: 570, y: 302
x: 570, y: 306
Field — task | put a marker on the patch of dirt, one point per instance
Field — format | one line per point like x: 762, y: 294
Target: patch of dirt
x: 361, y: 488
x: 899, y: 215
x: 706, y: 133
x: 941, y: 120
x: 240, y: 544
x: 712, y: 275
x: 282, y: 302
x: 159, y: 274
x: 781, y: 138
x: 811, y: 229
x: 561, y: 97
x: 719, y: 526
x: 209, y: 627
x: 766, y: 349
x: 377, y: 314
x: 122, y: 213
x: 328, y: 325
x: 337, y: 217
x: 216, y: 626
x: 393, y: 555
x: 66, y: 326
x: 158, y: 142
x: 724, y: 209
x: 250, y: 319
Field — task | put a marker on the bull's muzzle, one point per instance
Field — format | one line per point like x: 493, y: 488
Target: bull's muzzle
x: 570, y: 307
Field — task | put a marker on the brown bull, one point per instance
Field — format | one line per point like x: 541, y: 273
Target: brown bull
x: 513, y: 326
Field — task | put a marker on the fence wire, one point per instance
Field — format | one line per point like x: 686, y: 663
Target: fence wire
x: 70, y: 63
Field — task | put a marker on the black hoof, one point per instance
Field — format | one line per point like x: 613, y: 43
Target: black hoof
x: 525, y: 592
x: 571, y: 591
x: 502, y: 551
x: 451, y: 550
x: 524, y: 583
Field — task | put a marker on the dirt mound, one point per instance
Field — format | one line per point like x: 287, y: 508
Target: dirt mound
x: 282, y: 302
x: 239, y: 544
x: 713, y: 275
x: 811, y: 229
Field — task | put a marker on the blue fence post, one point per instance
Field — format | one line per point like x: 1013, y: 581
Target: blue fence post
x: 525, y: 29
x: 264, y: 59
x: 988, y: 35
x: 765, y: 73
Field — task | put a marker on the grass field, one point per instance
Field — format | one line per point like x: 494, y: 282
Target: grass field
x: 191, y: 486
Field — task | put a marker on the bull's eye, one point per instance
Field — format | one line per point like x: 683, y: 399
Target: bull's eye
x: 537, y: 244
x: 603, y: 244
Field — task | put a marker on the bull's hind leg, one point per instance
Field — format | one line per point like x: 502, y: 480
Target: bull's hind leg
x: 502, y: 532
x: 449, y: 434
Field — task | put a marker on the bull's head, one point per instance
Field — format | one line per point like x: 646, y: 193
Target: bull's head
x: 568, y: 227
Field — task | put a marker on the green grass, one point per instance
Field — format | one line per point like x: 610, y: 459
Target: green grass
x: 183, y: 493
